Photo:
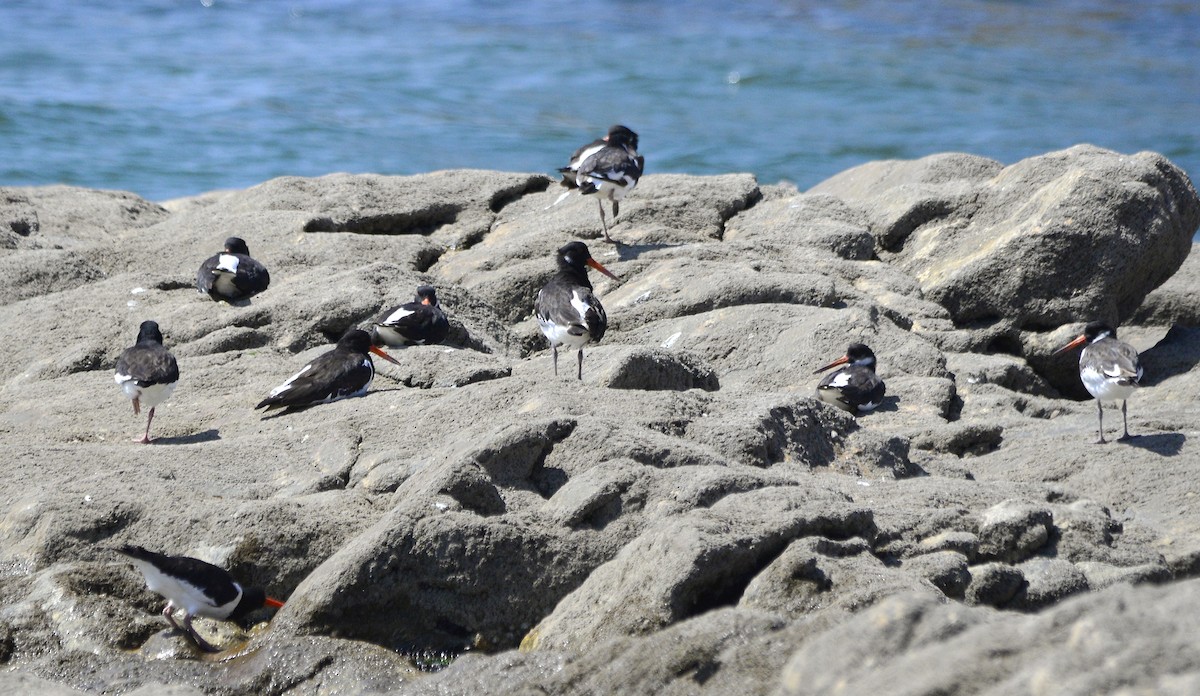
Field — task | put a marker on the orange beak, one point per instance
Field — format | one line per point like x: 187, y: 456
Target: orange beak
x: 596, y: 265
x: 840, y: 361
x: 274, y: 603
x: 1077, y: 342
x: 379, y: 351
x: 425, y: 301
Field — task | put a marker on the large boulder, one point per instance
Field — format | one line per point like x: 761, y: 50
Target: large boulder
x: 1065, y: 237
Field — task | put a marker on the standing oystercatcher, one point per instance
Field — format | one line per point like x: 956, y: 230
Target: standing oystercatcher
x: 345, y: 371
x: 420, y: 322
x: 610, y: 167
x: 566, y: 309
x: 1109, y: 368
x: 147, y: 372
x: 196, y: 587
x: 232, y: 276
x: 854, y: 388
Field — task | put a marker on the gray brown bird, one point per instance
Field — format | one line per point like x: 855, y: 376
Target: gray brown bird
x: 1110, y: 370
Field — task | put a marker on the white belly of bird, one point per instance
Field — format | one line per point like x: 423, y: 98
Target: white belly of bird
x: 611, y: 190
x: 558, y: 335
x: 223, y: 284
x: 183, y: 594
x: 148, y: 397
x: 1104, y: 387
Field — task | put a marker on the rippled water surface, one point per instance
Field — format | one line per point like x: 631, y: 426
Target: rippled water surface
x: 172, y: 98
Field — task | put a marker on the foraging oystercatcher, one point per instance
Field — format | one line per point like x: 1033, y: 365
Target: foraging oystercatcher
x: 345, y: 371
x: 420, y: 322
x: 196, y: 587
x: 854, y: 388
x: 610, y: 167
x: 1109, y: 369
x: 566, y: 309
x: 147, y: 372
x: 232, y: 276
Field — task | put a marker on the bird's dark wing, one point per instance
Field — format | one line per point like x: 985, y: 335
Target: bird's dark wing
x: 212, y: 580
x: 148, y: 364
x: 330, y: 376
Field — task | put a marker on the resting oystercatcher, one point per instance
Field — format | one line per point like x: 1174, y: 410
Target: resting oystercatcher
x: 420, y: 322
x: 196, y: 587
x: 610, y: 167
x: 345, y: 371
x: 854, y: 388
x: 147, y: 372
x: 566, y: 309
x: 1109, y: 368
x: 232, y: 276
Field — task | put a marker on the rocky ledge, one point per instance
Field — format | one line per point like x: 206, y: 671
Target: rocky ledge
x: 688, y: 519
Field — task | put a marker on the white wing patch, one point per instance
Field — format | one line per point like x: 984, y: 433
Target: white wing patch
x: 397, y: 316
x: 840, y: 380
x: 580, y: 306
x: 288, y: 384
x: 227, y: 263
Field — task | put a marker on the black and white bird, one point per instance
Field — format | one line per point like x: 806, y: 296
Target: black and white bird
x: 232, y: 276
x: 343, y: 372
x: 609, y: 167
x: 1110, y: 369
x: 854, y: 388
x: 568, y: 312
x: 147, y: 372
x: 197, y: 588
x: 417, y: 323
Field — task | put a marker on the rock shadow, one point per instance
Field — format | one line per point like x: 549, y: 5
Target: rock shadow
x: 630, y: 252
x: 888, y: 405
x: 1176, y: 354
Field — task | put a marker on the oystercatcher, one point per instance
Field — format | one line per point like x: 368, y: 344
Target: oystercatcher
x: 345, y: 371
x: 610, y: 167
x: 566, y: 309
x: 196, y: 587
x: 147, y: 372
x: 232, y: 276
x: 1109, y: 369
x: 854, y: 388
x: 420, y: 322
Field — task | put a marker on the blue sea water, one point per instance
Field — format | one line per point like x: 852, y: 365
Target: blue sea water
x: 170, y: 98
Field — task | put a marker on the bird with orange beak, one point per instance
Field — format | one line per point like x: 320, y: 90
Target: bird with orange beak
x: 1110, y: 370
x: 854, y: 388
x: 198, y: 588
x: 341, y: 373
x: 568, y: 312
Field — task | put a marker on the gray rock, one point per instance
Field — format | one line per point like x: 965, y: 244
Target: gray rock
x: 1013, y: 531
x: 961, y: 225
x: 636, y: 531
x: 649, y: 368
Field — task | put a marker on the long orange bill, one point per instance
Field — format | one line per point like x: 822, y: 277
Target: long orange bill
x: 1077, y: 342
x: 379, y: 351
x: 274, y: 603
x: 596, y: 265
x: 840, y: 361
